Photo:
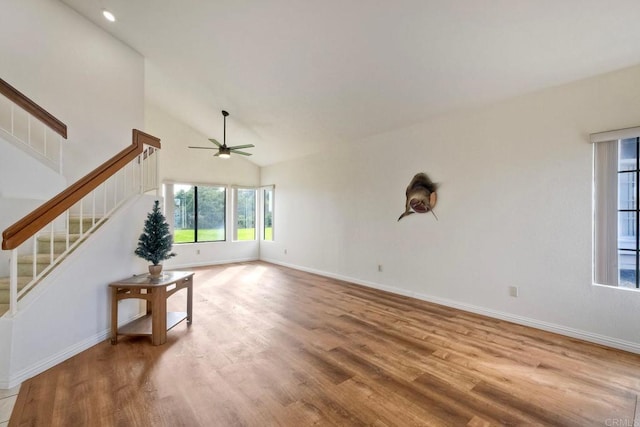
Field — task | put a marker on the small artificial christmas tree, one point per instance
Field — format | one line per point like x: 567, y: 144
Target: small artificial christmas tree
x: 154, y: 244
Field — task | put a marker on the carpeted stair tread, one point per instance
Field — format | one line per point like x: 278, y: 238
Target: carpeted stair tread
x: 22, y: 281
x: 40, y: 258
x: 59, y: 237
x: 43, y: 258
x: 87, y: 222
x: 4, y: 288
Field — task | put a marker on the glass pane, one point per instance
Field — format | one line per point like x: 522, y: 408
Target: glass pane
x: 627, y: 268
x: 627, y: 190
x: 211, y: 214
x: 246, y: 214
x: 183, y: 216
x: 626, y: 230
x: 627, y: 154
x: 268, y: 214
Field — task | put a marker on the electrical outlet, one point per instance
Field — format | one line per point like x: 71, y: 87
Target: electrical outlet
x: 513, y: 291
x: 285, y: 251
x: 380, y: 268
x: 198, y: 252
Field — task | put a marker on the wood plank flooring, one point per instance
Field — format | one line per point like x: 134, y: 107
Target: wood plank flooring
x: 273, y: 346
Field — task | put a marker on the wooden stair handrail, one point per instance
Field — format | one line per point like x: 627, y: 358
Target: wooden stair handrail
x: 22, y: 230
x: 32, y: 108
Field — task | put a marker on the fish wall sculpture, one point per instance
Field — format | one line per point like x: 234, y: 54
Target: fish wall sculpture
x: 421, y: 196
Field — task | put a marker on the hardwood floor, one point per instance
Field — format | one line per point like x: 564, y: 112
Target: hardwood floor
x: 275, y: 346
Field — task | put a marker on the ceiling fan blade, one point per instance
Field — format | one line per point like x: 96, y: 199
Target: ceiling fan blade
x: 241, y: 146
x: 217, y: 154
x: 205, y: 148
x: 241, y: 152
x: 215, y: 142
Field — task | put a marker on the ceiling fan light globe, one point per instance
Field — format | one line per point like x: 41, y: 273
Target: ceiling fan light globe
x: 224, y: 152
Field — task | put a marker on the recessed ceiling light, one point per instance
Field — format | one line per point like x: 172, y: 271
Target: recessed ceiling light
x: 108, y: 15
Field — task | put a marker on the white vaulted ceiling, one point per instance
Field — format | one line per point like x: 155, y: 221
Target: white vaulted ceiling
x: 298, y: 76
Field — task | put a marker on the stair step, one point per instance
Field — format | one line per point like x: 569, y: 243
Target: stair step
x: 22, y: 281
x: 87, y: 223
x: 40, y: 259
x: 25, y: 263
x: 43, y: 257
x: 59, y: 242
x: 4, y: 289
x: 58, y: 237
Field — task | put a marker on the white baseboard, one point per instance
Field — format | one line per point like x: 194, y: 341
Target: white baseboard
x: 206, y: 263
x: 632, y: 347
x: 49, y: 362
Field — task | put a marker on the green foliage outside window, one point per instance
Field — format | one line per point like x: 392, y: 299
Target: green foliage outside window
x: 199, y: 213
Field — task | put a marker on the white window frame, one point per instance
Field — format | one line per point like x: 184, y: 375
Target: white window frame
x: 260, y: 218
x: 234, y: 216
x: 605, y: 205
x: 169, y: 196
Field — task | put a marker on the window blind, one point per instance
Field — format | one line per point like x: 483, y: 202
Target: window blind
x: 606, y: 213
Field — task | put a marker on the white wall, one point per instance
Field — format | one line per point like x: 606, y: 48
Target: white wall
x: 15, y: 183
x: 514, y: 208
x: 183, y: 165
x: 77, y: 72
x: 95, y: 85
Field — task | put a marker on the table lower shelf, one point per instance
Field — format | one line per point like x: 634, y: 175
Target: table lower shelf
x: 142, y: 325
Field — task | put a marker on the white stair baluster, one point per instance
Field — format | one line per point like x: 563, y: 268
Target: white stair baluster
x: 34, y: 267
x: 51, y: 242
x: 68, y: 229
x: 13, y: 282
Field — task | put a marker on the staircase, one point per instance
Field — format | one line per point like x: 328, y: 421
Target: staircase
x: 43, y: 256
x: 38, y: 242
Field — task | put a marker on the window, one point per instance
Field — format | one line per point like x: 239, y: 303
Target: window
x: 267, y: 213
x: 616, y: 209
x: 199, y: 213
x: 245, y: 213
x: 628, y: 249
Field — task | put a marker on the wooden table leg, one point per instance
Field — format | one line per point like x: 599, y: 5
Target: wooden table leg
x: 159, y: 315
x: 114, y: 315
x: 148, y: 291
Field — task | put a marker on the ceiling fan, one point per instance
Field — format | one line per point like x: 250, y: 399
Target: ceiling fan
x: 224, y: 152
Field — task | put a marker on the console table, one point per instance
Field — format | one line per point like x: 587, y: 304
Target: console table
x: 157, y: 321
